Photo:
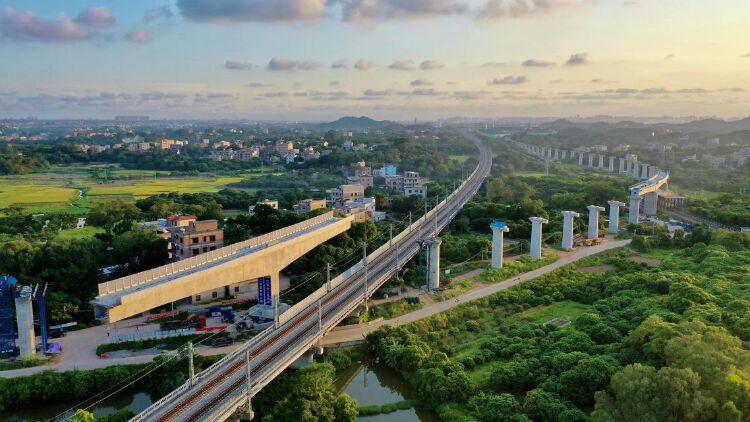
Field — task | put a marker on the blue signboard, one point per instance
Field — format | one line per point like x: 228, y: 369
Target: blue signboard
x: 264, y: 291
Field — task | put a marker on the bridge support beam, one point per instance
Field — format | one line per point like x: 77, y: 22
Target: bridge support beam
x: 644, y: 171
x: 601, y: 162
x: 498, y: 229
x: 614, y: 216
x: 611, y: 164
x: 622, y: 165
x: 594, y: 211
x: 433, y: 272
x: 536, y: 236
x: 567, y: 233
x: 634, y: 209
x: 580, y: 159
x: 635, y: 171
x: 591, y: 160
x: 650, y: 203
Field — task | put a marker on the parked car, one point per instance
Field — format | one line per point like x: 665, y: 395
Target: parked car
x: 221, y: 342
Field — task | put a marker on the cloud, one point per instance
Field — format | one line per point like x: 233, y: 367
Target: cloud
x: 276, y: 94
x: 536, y: 63
x: 509, y: 80
x: 257, y: 85
x: 27, y: 27
x: 421, y: 82
x: 470, y: 95
x: 504, y: 9
x: 225, y: 11
x: 96, y: 17
x: 164, y: 12
x: 139, y: 36
x: 430, y: 92
x: 366, y: 11
x: 284, y: 65
x: 402, y: 65
x: 377, y: 93
x: 334, y: 83
x: 363, y: 64
x: 494, y: 64
x: 669, y: 57
x: 578, y: 59
x: 745, y: 55
x: 430, y: 65
x: 238, y: 65
x: 602, y: 81
x: 340, y: 64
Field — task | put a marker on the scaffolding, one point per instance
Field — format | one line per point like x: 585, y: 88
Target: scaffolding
x: 7, y: 322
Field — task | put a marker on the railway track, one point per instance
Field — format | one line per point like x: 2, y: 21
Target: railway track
x: 275, y: 351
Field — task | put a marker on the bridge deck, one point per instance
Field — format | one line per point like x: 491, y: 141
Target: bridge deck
x: 109, y: 298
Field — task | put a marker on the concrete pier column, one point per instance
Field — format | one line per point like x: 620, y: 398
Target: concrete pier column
x: 636, y: 171
x: 622, y: 165
x: 536, y: 236
x: 580, y: 158
x: 25, y: 319
x: 557, y: 154
x: 591, y: 160
x: 644, y: 171
x: 594, y: 211
x: 650, y: 203
x: 611, y: 164
x: 601, y: 161
x: 614, y: 216
x: 275, y: 291
x: 433, y: 273
x: 567, y: 233
x: 498, y: 228
x: 635, y: 207
x: 564, y: 154
x: 653, y: 171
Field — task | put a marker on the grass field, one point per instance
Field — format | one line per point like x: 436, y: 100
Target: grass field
x: 460, y: 158
x: 84, y: 233
x: 147, y: 187
x: 56, y: 190
x: 542, y: 314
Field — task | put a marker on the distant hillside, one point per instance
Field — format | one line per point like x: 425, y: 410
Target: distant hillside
x: 356, y: 123
x: 715, y: 126
x: 707, y: 125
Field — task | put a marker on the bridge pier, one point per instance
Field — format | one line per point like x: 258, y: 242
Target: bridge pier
x: 567, y: 233
x: 644, y: 171
x: 594, y: 211
x: 433, y: 272
x: 650, y: 203
x: 622, y: 165
x: 498, y: 228
x: 580, y: 159
x: 611, y: 164
x: 536, y: 236
x: 601, y: 162
x: 614, y: 216
x: 635, y: 207
x: 591, y: 160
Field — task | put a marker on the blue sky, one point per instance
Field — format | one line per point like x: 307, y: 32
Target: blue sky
x: 295, y: 59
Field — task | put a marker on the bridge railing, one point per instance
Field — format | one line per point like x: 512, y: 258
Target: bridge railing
x: 120, y: 284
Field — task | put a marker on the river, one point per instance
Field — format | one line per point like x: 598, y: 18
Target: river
x: 371, y: 383
x: 133, y: 401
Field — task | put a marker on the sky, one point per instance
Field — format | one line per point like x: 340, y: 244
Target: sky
x: 388, y: 59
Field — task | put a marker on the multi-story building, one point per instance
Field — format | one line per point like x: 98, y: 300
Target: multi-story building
x: 347, y: 192
x: 270, y: 202
x: 385, y: 171
x: 362, y: 209
x: 308, y: 205
x: 409, y: 184
x: 196, y: 238
x: 284, y: 147
x: 171, y: 143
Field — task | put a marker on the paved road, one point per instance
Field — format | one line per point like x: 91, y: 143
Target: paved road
x: 344, y: 335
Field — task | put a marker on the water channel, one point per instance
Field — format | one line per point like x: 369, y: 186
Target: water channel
x: 371, y: 383
x: 367, y: 382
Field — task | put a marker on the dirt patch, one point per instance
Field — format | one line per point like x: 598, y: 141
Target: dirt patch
x: 468, y: 275
x: 650, y: 262
x: 597, y: 269
x: 558, y: 322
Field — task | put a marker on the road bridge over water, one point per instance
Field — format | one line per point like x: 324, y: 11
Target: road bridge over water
x: 227, y: 386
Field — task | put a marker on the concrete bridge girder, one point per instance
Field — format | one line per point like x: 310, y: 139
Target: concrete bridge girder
x: 262, y: 263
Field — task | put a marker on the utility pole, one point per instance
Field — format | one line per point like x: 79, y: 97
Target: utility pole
x: 320, y: 315
x: 410, y: 221
x: 191, y: 367
x: 250, y: 414
x: 364, y: 261
x: 328, y: 276
x: 390, y: 234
